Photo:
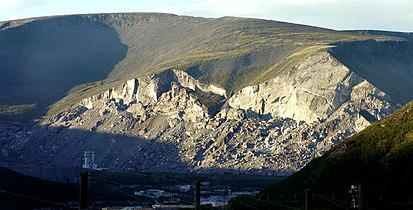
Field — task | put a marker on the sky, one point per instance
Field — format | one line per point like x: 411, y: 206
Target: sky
x: 391, y: 15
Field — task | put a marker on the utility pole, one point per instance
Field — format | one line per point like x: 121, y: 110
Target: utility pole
x: 356, y: 194
x: 83, y: 190
x: 308, y: 199
x: 360, y: 200
x: 197, y: 195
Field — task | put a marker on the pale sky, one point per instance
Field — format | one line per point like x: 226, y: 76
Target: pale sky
x: 393, y: 15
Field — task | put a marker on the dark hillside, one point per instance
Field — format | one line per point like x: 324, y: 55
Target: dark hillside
x: 387, y: 65
x: 42, y: 60
x: 13, y: 182
x: 379, y: 158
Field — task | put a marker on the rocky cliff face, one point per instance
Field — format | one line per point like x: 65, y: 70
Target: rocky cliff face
x: 312, y: 90
x: 161, y: 122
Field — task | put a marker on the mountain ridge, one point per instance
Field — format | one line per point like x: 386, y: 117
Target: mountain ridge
x: 197, y: 29
x: 226, y: 94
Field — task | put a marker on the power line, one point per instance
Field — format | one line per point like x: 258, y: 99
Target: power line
x: 339, y: 205
x: 242, y: 203
x: 102, y: 179
x: 363, y: 207
x: 277, y: 204
x: 33, y: 198
x: 207, y: 207
x: 203, y: 207
x: 121, y: 191
x: 345, y: 202
x: 189, y: 203
x: 157, y: 177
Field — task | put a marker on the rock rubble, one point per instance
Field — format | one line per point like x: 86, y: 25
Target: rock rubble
x: 158, y: 123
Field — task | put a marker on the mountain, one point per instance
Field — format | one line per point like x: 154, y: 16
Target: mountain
x: 379, y: 158
x: 161, y: 92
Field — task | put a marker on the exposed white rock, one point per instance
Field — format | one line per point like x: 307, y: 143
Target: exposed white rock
x: 312, y: 90
x: 189, y: 82
x: 279, y: 125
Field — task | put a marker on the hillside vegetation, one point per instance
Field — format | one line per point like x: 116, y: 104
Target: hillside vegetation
x: 56, y: 61
x: 379, y: 158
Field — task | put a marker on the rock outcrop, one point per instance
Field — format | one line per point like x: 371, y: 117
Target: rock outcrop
x: 274, y: 127
x: 312, y: 90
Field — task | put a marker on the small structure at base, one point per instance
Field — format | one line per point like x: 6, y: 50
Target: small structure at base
x: 89, y: 160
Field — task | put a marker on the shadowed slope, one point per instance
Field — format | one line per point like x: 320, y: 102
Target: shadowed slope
x: 387, y: 65
x: 62, y: 146
x: 40, y: 61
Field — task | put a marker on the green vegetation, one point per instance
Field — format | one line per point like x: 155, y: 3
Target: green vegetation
x: 20, y: 112
x: 112, y: 48
x: 379, y: 158
x: 230, y: 53
x: 210, y: 100
x: 287, y: 63
x: 78, y: 93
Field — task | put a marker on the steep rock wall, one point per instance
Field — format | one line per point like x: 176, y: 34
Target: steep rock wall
x: 312, y: 90
x: 157, y: 122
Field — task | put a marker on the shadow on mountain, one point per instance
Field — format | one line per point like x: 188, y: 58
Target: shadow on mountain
x: 387, y: 65
x: 62, y: 147
x: 65, y: 147
x: 42, y: 60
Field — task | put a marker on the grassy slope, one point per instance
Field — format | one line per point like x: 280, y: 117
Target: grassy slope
x: 230, y: 52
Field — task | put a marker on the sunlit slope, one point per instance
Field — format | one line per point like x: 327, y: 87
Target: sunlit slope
x: 42, y: 59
